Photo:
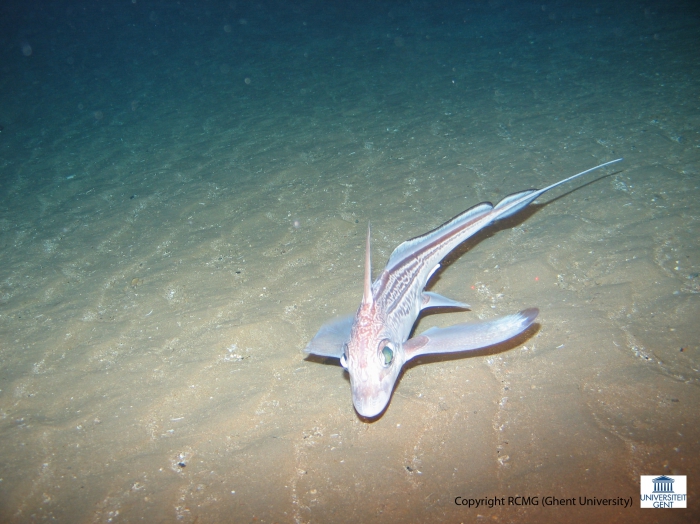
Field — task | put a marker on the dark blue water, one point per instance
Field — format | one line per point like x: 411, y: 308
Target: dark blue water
x: 123, y: 67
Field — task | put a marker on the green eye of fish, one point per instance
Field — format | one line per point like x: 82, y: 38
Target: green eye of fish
x: 388, y: 355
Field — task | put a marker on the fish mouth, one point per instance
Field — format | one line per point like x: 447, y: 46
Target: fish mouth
x: 370, y: 406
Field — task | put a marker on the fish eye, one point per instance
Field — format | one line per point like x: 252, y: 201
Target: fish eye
x: 344, y: 358
x: 387, y: 355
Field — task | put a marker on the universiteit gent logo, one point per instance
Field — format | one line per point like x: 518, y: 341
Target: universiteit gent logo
x: 663, y: 492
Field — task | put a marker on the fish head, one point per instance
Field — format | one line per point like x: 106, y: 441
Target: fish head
x: 373, y: 358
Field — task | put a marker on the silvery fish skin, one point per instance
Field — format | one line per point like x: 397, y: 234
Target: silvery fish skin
x: 373, y: 345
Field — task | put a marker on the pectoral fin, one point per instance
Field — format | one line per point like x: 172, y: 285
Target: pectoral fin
x: 471, y: 335
x: 431, y: 299
x: 331, y: 338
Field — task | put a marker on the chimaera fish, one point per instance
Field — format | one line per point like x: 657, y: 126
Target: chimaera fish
x: 373, y: 345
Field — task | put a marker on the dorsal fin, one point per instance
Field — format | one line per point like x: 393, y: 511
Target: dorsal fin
x: 367, y: 295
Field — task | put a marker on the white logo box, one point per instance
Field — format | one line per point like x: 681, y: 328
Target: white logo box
x: 663, y: 491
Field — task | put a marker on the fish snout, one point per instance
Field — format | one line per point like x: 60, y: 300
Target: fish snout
x: 370, y: 402
x: 371, y: 397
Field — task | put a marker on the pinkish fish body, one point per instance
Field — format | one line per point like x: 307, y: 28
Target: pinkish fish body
x: 373, y: 345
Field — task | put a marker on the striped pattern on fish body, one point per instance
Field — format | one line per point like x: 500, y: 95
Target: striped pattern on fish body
x: 373, y: 345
